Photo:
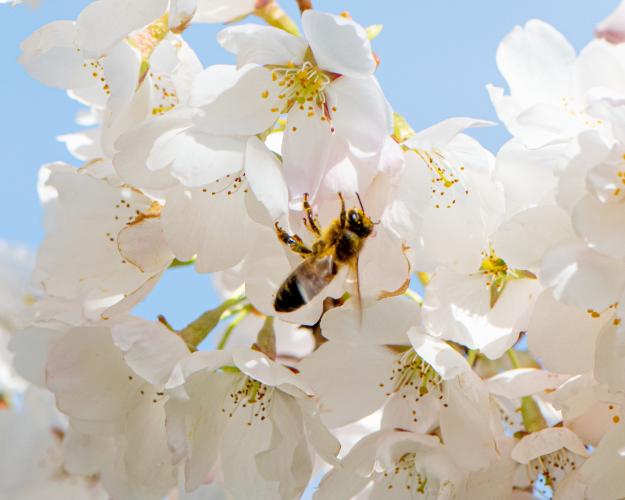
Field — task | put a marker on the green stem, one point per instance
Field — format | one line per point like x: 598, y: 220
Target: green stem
x: 236, y: 320
x: 266, y: 339
x: 533, y: 419
x: 196, y: 331
x: 414, y: 296
x: 274, y: 16
x: 181, y: 263
x: 513, y: 358
x: 472, y: 356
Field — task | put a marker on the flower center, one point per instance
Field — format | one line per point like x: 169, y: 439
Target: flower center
x: 302, y: 86
x: 411, y: 376
x: 551, y: 468
x: 404, y: 474
x: 251, y: 395
x: 447, y: 185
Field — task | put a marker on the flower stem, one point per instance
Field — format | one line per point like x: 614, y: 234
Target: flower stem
x: 181, y: 263
x: 196, y: 331
x: 236, y: 320
x: 266, y: 339
x: 274, y: 16
x: 533, y: 419
x: 472, y: 357
x: 513, y: 358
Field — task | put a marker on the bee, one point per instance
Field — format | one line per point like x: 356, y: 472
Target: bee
x: 335, y: 246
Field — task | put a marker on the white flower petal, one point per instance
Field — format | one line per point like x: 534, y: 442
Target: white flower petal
x: 218, y: 11
x: 89, y: 377
x: 522, y: 382
x: 346, y: 378
x: 150, y: 349
x: 265, y: 177
x: 602, y: 225
x: 338, y: 44
x: 580, y: 276
x: 525, y: 238
x: 235, y: 101
x: 104, y: 22
x: 359, y: 112
x: 215, y: 227
x: 562, y: 336
x: 263, y: 45
x: 537, y: 62
x: 547, y: 441
x: 50, y: 56
x: 447, y: 362
x: 440, y: 134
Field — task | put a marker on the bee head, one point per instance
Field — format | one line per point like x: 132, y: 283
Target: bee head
x: 358, y: 222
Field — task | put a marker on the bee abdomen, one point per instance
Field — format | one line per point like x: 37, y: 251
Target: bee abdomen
x: 305, y: 283
x: 289, y: 297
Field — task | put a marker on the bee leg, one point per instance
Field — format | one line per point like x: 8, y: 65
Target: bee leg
x: 294, y: 242
x: 311, y: 221
x: 343, y: 216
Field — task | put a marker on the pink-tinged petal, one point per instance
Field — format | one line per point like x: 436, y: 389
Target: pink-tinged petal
x: 360, y: 113
x: 522, y: 382
x: 256, y: 365
x: 218, y: 11
x: 199, y: 361
x: 306, y: 148
x: 31, y: 348
x: 149, y: 348
x: 235, y: 101
x: 547, y: 441
x: 143, y: 244
x: 580, y: 276
x: 198, y: 159
x: 104, y: 22
x: 603, y: 471
x: 134, y: 147
x: 612, y: 28
x: 195, y: 426
x: 465, y: 423
x: 447, y: 362
x: 609, y: 355
x: 562, y: 336
x: 148, y: 459
x: 383, y: 322
x: 288, y: 460
x: 266, y: 178
x: 346, y: 377
x: 338, y: 44
x: 192, y: 218
x: 262, y: 45
x: 439, y: 135
x: 50, y: 56
x: 241, y: 445
x: 89, y: 377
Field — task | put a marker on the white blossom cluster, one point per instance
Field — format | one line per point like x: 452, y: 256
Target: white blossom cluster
x: 330, y: 375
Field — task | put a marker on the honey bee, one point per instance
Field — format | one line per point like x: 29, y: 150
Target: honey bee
x: 337, y: 245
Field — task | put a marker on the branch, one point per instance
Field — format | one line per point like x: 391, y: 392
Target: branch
x: 304, y: 5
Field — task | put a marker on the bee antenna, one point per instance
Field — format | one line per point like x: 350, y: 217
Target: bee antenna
x: 360, y: 201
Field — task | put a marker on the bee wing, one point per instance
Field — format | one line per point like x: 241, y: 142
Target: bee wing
x: 357, y: 295
x: 313, y: 275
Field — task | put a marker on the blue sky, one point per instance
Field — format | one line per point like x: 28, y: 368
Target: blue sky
x: 436, y: 58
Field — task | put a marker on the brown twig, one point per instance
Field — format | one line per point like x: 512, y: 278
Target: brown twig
x: 304, y: 5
